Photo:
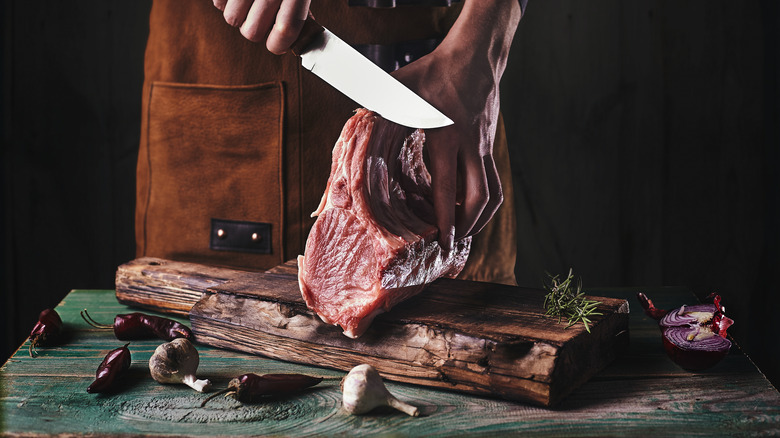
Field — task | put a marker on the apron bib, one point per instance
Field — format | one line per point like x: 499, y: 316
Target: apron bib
x: 236, y: 142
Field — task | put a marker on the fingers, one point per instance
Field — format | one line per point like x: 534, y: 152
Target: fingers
x: 481, y: 198
x: 444, y: 186
x: 476, y: 195
x: 277, y: 21
x: 289, y: 22
x: 259, y: 19
x: 480, y: 193
x: 495, y: 193
x: 235, y: 11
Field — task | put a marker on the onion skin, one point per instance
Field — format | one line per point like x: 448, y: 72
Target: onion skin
x: 693, y: 360
x: 693, y: 343
x: 681, y: 316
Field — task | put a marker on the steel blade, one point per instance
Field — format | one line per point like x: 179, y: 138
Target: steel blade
x: 361, y: 80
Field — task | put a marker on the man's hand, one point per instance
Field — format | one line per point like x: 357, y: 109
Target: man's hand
x: 461, y: 79
x: 278, y: 22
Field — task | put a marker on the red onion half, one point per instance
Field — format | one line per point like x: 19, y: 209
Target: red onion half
x: 694, y: 336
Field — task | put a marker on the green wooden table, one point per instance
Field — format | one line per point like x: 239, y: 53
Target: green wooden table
x: 642, y: 393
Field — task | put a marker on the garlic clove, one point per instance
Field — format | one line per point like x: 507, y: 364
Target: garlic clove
x: 363, y: 391
x: 199, y: 385
x: 176, y: 362
x: 406, y: 408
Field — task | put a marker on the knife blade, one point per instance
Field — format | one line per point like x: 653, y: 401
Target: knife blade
x: 347, y: 70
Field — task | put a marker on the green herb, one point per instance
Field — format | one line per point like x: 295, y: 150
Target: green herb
x: 566, y: 300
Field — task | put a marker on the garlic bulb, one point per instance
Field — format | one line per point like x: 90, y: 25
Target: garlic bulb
x: 363, y: 391
x: 176, y: 362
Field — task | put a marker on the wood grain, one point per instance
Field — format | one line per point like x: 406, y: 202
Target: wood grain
x: 168, y: 287
x: 642, y: 393
x: 471, y: 337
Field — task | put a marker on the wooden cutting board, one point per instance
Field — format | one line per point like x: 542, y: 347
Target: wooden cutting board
x: 479, y: 338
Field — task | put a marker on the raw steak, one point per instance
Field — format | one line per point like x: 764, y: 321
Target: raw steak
x: 373, y: 244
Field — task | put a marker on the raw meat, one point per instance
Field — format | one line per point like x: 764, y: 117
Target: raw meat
x: 374, y: 244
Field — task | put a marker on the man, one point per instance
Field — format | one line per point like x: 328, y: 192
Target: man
x: 237, y: 135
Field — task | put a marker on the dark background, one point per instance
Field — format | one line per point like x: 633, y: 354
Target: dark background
x: 644, y: 143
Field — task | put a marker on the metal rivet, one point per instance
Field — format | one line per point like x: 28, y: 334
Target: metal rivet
x: 256, y: 237
x: 221, y: 233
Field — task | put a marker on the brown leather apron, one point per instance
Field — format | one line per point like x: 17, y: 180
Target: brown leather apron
x: 236, y: 142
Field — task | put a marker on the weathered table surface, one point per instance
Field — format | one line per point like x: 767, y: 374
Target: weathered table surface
x: 641, y: 393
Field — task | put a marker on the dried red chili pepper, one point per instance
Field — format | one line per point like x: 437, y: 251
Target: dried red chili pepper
x: 252, y: 387
x: 116, y: 363
x: 134, y: 326
x: 46, y: 330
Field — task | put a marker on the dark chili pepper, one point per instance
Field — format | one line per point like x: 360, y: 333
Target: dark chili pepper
x: 134, y: 326
x: 114, y: 365
x: 46, y: 330
x: 252, y: 387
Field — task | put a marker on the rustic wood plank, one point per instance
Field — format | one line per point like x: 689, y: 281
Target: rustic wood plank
x: 641, y: 393
x: 472, y: 337
x: 167, y: 286
x: 520, y: 356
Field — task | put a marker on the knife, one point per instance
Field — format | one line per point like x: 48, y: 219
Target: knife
x: 347, y: 70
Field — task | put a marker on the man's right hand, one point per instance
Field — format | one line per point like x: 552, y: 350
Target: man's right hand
x: 277, y: 21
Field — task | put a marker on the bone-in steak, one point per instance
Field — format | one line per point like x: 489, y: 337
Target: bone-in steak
x: 374, y: 244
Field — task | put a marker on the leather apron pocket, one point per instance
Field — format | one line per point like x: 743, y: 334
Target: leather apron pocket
x: 214, y: 174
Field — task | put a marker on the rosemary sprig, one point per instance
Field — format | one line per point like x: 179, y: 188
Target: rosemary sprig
x: 565, y: 299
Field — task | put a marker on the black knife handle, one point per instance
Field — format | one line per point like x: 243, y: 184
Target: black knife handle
x: 311, y: 29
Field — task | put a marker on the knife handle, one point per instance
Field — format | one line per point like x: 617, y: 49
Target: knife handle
x: 311, y: 29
